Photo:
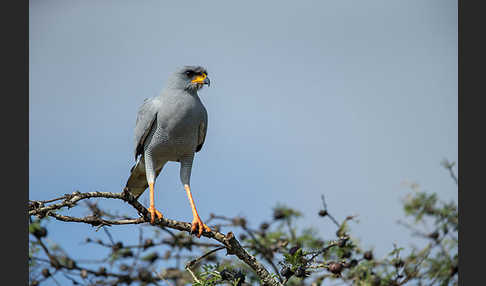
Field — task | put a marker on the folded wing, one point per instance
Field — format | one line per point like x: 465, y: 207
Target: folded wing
x: 146, y: 117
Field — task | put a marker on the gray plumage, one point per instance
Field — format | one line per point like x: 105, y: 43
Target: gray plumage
x: 169, y: 127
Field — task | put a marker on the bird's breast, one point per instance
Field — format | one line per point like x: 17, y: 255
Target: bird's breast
x: 177, y: 127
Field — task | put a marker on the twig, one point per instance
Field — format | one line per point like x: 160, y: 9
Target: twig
x: 449, y: 165
x: 193, y: 275
x: 191, y: 263
x: 331, y: 245
x: 109, y: 236
x: 328, y: 214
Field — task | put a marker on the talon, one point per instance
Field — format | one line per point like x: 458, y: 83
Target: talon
x: 154, y: 212
x: 199, y: 227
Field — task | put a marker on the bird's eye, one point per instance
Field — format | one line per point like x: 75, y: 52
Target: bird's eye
x: 189, y: 73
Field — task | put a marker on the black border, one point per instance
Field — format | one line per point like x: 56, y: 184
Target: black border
x: 15, y: 141
x: 471, y: 51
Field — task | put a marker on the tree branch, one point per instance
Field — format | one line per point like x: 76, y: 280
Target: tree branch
x: 229, y: 241
x: 94, y: 221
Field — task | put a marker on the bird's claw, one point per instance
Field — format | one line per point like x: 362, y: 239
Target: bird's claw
x: 198, y: 227
x: 153, y: 213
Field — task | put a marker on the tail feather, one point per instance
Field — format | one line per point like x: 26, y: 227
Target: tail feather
x: 137, y: 182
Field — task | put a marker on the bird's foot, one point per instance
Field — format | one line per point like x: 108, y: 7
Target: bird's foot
x: 198, y: 226
x: 153, y: 213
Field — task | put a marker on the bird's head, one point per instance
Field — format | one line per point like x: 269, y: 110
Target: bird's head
x: 190, y: 78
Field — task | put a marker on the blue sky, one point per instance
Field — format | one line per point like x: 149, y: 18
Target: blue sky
x: 350, y: 99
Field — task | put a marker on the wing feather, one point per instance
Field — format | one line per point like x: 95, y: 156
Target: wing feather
x: 146, y: 118
x: 203, y: 128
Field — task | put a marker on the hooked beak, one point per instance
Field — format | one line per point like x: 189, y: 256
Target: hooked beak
x: 207, y: 81
x: 202, y: 79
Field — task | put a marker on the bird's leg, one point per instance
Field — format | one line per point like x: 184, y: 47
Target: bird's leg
x: 197, y: 225
x: 152, y: 209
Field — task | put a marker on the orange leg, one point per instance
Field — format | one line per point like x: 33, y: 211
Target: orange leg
x: 197, y: 225
x: 152, y: 209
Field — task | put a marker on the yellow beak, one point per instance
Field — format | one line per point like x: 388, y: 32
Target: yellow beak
x: 202, y: 79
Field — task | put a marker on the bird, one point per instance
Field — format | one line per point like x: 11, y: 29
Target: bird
x: 170, y: 127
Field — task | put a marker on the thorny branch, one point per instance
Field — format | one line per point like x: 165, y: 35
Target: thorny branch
x: 69, y: 200
x: 302, y: 256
